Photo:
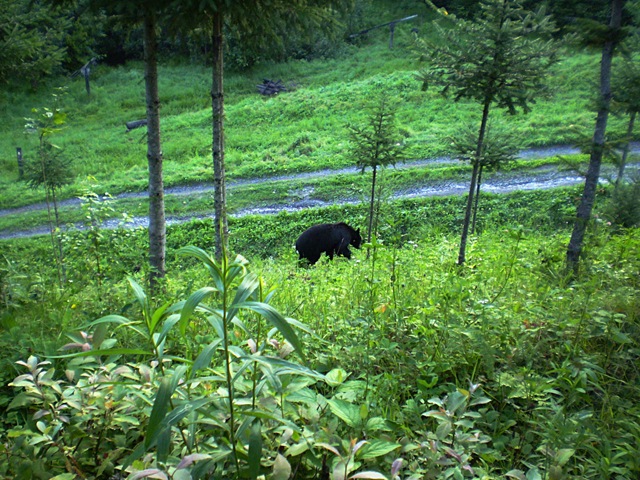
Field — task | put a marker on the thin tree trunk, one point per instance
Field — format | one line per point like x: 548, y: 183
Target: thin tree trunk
x: 217, y: 104
x: 474, y: 181
x: 475, y: 205
x: 55, y: 206
x: 48, y: 200
x: 63, y: 269
x: 593, y: 173
x: 157, y: 225
x: 625, y: 150
x: 372, y: 202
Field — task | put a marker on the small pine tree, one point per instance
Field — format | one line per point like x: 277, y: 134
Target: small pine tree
x: 626, y: 99
x: 499, y: 59
x: 375, y: 144
x: 50, y: 169
x: 498, y: 149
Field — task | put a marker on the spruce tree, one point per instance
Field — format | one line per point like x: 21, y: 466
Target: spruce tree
x: 500, y: 59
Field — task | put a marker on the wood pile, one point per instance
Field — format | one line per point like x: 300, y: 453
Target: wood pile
x: 269, y: 87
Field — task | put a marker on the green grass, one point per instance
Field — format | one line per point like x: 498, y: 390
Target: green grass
x: 555, y: 357
x: 302, y: 130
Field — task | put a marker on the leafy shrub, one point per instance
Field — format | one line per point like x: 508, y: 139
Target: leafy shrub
x: 220, y: 409
x: 622, y: 209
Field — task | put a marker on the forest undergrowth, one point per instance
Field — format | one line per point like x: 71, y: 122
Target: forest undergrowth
x: 398, y: 363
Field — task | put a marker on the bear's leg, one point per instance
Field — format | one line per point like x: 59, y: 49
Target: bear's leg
x: 314, y: 257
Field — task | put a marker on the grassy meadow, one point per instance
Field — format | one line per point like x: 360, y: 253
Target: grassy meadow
x: 396, y: 364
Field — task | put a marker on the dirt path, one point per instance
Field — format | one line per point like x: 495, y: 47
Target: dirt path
x: 545, y: 177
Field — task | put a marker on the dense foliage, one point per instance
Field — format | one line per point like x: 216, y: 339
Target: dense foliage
x: 502, y: 366
x: 396, y: 364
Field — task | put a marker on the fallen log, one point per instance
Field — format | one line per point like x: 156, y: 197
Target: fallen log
x: 135, y: 124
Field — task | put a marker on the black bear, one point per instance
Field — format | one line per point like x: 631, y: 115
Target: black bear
x: 330, y: 238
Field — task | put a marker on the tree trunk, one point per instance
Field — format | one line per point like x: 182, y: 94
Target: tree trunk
x: 593, y: 173
x: 372, y: 202
x: 63, y: 269
x: 157, y: 226
x: 48, y: 201
x: 625, y: 150
x: 475, y: 203
x: 217, y: 104
x: 474, y: 180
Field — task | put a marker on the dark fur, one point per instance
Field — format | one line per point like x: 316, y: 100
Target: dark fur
x: 330, y: 238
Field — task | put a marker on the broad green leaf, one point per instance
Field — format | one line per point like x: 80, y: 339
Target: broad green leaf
x: 141, y: 297
x: 119, y: 319
x: 369, y: 475
x: 340, y: 471
x: 464, y: 423
x: 237, y: 267
x: 190, y: 305
x: 278, y: 321
x: 297, y: 449
x: 99, y: 335
x: 563, y: 455
x: 21, y: 400
x: 438, y: 415
x: 620, y: 337
x: 336, y: 376
x: 364, y: 411
x: 184, y: 409
x: 215, y: 320
x: 156, y: 317
x: 204, y: 358
x: 110, y: 351
x: 150, y: 472
x: 190, y: 459
x: 479, y: 401
x: 166, y: 328
x: 264, y: 415
x: 249, y: 285
x: 163, y: 445
x: 376, y: 424
x: 347, y: 412
x: 533, y: 474
x: 443, y: 430
x: 255, y: 449
x: 181, y: 475
x: 303, y: 395
x: 178, y: 375
x: 209, y: 262
x: 281, y: 469
x: 302, y: 326
x: 454, y: 401
x: 283, y: 366
x: 329, y: 447
x: 158, y: 412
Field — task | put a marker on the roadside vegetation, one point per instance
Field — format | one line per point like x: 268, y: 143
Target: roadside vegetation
x: 396, y: 364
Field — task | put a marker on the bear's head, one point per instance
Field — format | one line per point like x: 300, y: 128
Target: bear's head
x: 356, y: 239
